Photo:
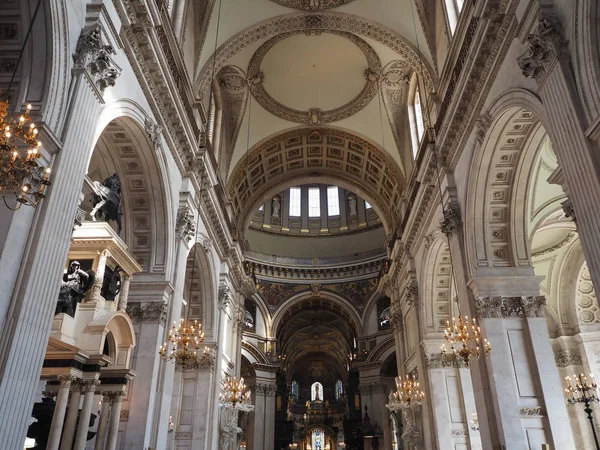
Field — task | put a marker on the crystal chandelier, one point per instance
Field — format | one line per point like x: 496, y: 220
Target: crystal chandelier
x: 183, y: 345
x: 407, y: 395
x: 20, y: 173
x: 236, y: 395
x: 465, y: 341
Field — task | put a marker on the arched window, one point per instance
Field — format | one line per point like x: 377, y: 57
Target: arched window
x: 316, y: 392
x: 453, y: 8
x: 295, y: 390
x: 415, y: 112
x: 339, y: 390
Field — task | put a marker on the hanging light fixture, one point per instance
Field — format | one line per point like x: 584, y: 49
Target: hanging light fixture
x: 408, y: 394
x: 236, y: 395
x: 21, y: 175
x: 465, y: 341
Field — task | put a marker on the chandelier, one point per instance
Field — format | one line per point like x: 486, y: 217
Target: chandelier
x: 465, y: 341
x: 183, y: 345
x: 584, y: 391
x: 236, y: 395
x: 20, y: 173
x: 407, y: 395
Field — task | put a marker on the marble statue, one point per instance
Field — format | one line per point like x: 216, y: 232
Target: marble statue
x: 352, y: 205
x: 275, y: 207
x: 75, y: 284
x: 107, y: 200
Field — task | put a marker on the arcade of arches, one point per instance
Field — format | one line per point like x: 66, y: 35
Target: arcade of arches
x: 322, y: 185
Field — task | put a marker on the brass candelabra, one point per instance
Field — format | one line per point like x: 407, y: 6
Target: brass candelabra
x: 583, y: 390
x: 236, y: 395
x: 465, y: 341
x: 20, y: 173
x: 407, y: 395
x: 183, y: 345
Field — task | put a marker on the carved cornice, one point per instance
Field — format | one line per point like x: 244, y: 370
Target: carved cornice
x: 544, y: 47
x: 148, y: 312
x: 510, y: 307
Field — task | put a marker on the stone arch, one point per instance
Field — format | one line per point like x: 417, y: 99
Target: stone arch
x: 499, y: 169
x: 126, y: 143
x: 436, y: 285
x: 327, y: 300
x: 201, y: 292
x: 316, y: 155
x: 253, y: 354
x: 263, y: 310
x: 320, y: 21
x: 119, y: 325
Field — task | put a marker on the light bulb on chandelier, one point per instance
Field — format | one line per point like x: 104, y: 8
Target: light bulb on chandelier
x: 408, y: 394
x: 236, y: 395
x: 183, y: 345
x: 465, y: 341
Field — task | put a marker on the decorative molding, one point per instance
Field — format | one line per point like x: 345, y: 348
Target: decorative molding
x: 531, y: 411
x: 396, y: 319
x: 482, y: 125
x: 566, y: 358
x: 180, y: 435
x: 315, y: 289
x: 154, y: 132
x: 568, y: 238
x: 92, y: 55
x: 411, y: 295
x: 436, y: 361
x: 311, y: 5
x: 544, y: 47
x: 148, y: 312
x: 451, y: 224
x: 89, y: 385
x: 185, y: 228
x: 510, y: 307
x: 314, y: 116
x: 457, y: 433
x: 206, y: 363
x: 224, y: 297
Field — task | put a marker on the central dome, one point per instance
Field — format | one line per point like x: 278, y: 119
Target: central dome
x: 304, y: 72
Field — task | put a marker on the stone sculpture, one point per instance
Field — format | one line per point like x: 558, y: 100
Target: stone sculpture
x: 107, y: 200
x: 275, y: 207
x: 75, y: 284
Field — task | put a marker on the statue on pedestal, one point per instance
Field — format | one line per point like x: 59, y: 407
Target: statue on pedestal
x: 75, y: 284
x: 107, y: 200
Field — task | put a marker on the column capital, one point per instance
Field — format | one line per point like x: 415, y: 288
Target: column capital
x: 94, y: 57
x: 185, y: 227
x: 498, y: 307
x: 113, y: 396
x: 89, y: 385
x: 452, y: 223
x: 224, y: 297
x: 66, y: 380
x: 545, y: 46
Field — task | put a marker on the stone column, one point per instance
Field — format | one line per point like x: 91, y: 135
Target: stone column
x: 124, y: 293
x: 66, y: 442
x: 115, y: 418
x: 186, y: 233
x: 270, y: 390
x: 27, y: 302
x: 205, y: 378
x: 88, y: 387
x: 547, y: 60
x: 104, y: 415
x: 259, y: 414
x: 58, y: 418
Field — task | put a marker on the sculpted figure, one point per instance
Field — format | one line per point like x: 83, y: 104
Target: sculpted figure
x: 352, y: 206
x: 275, y: 207
x: 107, y: 200
x: 75, y: 284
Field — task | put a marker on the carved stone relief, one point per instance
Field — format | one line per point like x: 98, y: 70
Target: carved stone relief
x: 148, y: 312
x: 587, y: 305
x: 185, y: 228
x: 510, y: 307
x: 93, y: 55
x: 311, y: 5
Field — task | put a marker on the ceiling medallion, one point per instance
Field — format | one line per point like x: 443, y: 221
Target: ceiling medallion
x: 314, y: 116
x: 311, y: 5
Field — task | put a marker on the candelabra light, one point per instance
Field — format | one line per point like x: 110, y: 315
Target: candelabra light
x: 474, y: 422
x: 583, y: 390
x: 183, y: 345
x: 171, y: 424
x: 236, y: 395
x: 407, y: 395
x: 20, y: 173
x: 465, y: 341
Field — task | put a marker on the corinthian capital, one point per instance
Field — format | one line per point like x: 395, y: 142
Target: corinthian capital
x: 452, y: 222
x: 92, y: 55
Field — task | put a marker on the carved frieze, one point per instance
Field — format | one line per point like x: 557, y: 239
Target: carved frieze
x: 544, y: 47
x: 566, y: 358
x: 531, y: 411
x: 499, y: 307
x: 185, y: 227
x: 92, y: 55
x: 154, y: 132
x: 148, y: 312
x: 311, y: 5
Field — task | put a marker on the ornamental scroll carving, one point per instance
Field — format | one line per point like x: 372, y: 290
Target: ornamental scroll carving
x: 149, y: 312
x: 93, y: 55
x: 544, y: 47
x: 185, y: 228
x: 510, y: 307
x: 452, y: 222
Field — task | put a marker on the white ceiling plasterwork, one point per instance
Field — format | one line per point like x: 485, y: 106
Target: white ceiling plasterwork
x: 318, y: 22
x: 321, y: 69
x: 311, y: 5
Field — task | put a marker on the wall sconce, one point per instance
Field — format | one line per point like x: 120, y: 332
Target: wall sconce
x: 171, y: 424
